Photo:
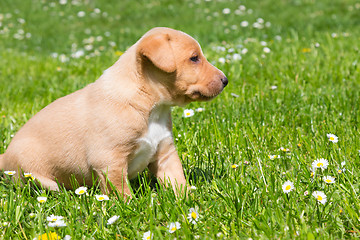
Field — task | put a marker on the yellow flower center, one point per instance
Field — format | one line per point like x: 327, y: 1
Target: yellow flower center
x: 339, y: 171
x: 148, y: 237
x: 173, y: 229
x: 319, y: 198
x: 328, y: 180
x: 320, y: 164
x: 81, y: 192
x: 193, y: 215
x: 233, y: 166
x: 41, y: 201
x: 332, y: 138
x: 288, y: 187
x: 101, y: 198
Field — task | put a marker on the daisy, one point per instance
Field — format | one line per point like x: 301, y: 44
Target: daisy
x: 188, y: 113
x: 29, y: 175
x: 306, y: 193
x: 81, y: 190
x: 340, y: 171
x: 53, y: 218
x: 101, y: 198
x: 287, y: 187
x: 174, y: 226
x: 112, y: 219
x: 266, y: 50
x: 193, y: 216
x: 192, y: 188
x: 200, y: 109
x: 234, y: 166
x: 320, y: 163
x: 10, y: 173
x: 329, y: 179
x: 147, y: 235
x: 320, y: 196
x: 41, y: 199
x: 273, y: 156
x: 285, y: 149
x: 332, y: 138
x: 57, y: 223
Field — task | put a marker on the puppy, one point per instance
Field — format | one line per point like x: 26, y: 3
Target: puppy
x: 117, y: 126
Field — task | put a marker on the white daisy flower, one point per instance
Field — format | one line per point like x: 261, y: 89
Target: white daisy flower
x: 244, y: 24
x: 81, y: 14
x: 284, y: 149
x: 112, y: 219
x: 147, y: 235
x: 41, y: 199
x: 29, y: 175
x: 200, y: 109
x: 287, y: 187
x: 329, y: 179
x: 188, y: 113
x: 332, y: 138
x: 226, y: 11
x: 306, y: 193
x: 58, y: 223
x: 174, y: 226
x: 273, y: 156
x: 193, y: 216
x: 193, y: 188
x: 234, y: 166
x: 10, y: 173
x: 101, y: 198
x: 320, y: 196
x: 53, y: 218
x: 320, y: 163
x: 266, y: 50
x: 81, y: 190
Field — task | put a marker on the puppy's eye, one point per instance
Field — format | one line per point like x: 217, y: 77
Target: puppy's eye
x: 194, y: 59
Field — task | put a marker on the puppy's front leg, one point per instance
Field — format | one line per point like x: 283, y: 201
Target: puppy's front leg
x: 167, y: 166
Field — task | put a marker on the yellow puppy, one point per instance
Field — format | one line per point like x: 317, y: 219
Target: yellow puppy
x: 117, y: 126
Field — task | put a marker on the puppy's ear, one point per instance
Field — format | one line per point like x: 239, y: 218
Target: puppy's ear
x: 157, y: 48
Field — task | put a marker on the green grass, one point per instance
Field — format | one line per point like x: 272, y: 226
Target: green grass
x: 313, y: 61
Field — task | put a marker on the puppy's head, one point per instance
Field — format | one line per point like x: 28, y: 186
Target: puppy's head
x: 175, y: 60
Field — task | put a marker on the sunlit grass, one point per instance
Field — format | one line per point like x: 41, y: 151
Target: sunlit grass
x: 293, y: 70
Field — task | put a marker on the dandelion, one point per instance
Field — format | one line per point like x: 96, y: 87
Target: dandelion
x: 10, y: 173
x: 57, y: 224
x: 320, y: 196
x: 147, y: 235
x: 101, y: 198
x: 49, y: 236
x: 53, y: 218
x: 287, y: 187
x: 193, y: 216
x: 188, y: 113
x: 41, y: 199
x: 112, y: 219
x: 329, y: 179
x: 332, y: 138
x: 81, y: 190
x: 174, y: 226
x: 320, y: 163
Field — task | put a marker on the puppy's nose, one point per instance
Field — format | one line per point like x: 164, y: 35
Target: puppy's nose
x: 225, y: 81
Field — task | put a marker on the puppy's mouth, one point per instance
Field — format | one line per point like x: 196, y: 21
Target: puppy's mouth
x: 198, y: 96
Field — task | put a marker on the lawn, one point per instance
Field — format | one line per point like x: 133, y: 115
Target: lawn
x: 259, y: 157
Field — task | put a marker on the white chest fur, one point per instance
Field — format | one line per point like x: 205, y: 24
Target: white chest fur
x: 157, y: 131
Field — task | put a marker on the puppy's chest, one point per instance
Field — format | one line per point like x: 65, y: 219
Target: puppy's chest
x: 148, y: 145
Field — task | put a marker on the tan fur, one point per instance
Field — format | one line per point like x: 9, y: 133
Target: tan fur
x: 96, y: 131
